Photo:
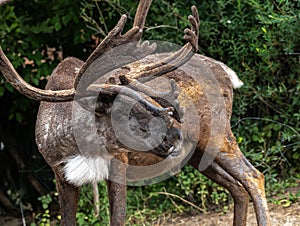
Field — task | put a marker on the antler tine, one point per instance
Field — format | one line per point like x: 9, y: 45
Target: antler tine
x: 172, y: 95
x: 141, y: 13
x: 196, y: 16
x: 190, y: 34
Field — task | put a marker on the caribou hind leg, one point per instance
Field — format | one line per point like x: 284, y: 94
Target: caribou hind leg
x: 231, y: 159
x: 237, y: 190
x: 68, y: 199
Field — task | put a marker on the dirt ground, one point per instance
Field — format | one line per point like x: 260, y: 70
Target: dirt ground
x: 280, y: 216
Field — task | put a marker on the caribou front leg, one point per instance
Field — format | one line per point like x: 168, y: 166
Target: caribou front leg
x: 117, y: 190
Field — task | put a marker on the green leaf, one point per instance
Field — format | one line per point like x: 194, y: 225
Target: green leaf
x: 57, y: 26
x: 285, y: 203
x: 35, y: 81
x: 19, y: 116
x: 296, y: 155
x: 1, y: 91
x: 264, y: 29
x: 240, y: 139
x: 9, y: 87
x: 255, y: 138
x: 66, y: 19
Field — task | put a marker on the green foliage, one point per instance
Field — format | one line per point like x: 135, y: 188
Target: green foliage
x: 34, y: 41
x: 85, y: 214
x: 44, y: 218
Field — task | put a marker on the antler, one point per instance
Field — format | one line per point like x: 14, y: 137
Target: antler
x: 153, y: 70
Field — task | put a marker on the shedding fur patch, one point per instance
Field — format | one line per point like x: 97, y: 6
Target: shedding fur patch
x: 80, y: 170
x: 236, y: 82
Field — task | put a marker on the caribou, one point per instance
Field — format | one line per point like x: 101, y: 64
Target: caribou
x: 132, y: 81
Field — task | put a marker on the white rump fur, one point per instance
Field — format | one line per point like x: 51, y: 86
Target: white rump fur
x: 236, y: 82
x: 81, y: 170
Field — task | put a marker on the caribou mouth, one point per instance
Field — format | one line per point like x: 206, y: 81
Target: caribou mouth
x: 171, y: 144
